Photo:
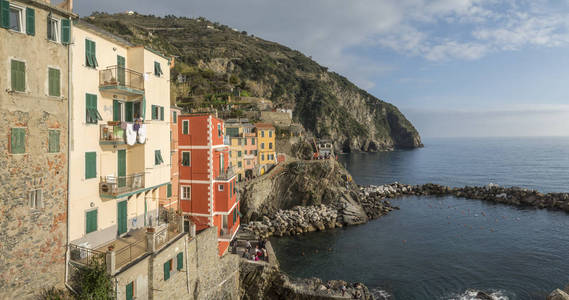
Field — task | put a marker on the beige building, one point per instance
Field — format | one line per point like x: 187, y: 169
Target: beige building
x: 120, y: 161
x: 34, y: 100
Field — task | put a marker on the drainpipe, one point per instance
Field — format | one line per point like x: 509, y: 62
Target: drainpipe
x: 69, y: 113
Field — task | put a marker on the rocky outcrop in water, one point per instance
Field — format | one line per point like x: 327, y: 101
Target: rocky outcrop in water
x: 559, y: 294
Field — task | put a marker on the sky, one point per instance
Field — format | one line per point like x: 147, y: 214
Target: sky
x: 453, y: 67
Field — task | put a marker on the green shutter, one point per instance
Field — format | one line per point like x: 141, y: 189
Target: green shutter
x: 18, y: 141
x: 234, y: 215
x: 169, y: 194
x: 90, y: 165
x: 65, y: 31
x: 91, y: 109
x: 88, y: 58
x: 5, y: 13
x: 54, y: 82
x: 186, y: 127
x: 161, y: 113
x: 91, y: 221
x: 116, y: 110
x: 53, y: 141
x: 129, y: 291
x: 186, y: 159
x: 166, y: 270
x: 238, y: 153
x: 157, y: 69
x: 175, y: 117
x: 18, y: 75
x: 128, y: 111
x: 94, y: 54
x: 122, y: 217
x: 30, y: 21
x: 180, y: 261
x: 153, y: 112
x: 158, y: 157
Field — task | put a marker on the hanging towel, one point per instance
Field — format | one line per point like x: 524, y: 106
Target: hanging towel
x: 142, y: 134
x: 130, y: 135
x: 123, y: 125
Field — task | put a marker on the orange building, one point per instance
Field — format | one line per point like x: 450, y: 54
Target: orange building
x: 207, y: 181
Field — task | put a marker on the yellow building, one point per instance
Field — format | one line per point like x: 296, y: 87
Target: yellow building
x: 266, y: 146
x: 120, y: 156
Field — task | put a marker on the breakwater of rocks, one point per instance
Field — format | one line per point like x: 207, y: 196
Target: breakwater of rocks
x: 374, y: 199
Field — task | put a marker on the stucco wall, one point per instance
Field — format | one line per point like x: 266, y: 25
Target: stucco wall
x: 32, y: 241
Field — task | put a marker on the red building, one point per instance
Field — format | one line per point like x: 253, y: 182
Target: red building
x: 207, y: 181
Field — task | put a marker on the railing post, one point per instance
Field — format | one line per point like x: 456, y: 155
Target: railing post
x: 150, y: 239
x: 111, y: 262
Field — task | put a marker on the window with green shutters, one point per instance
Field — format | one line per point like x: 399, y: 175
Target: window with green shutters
x: 65, y: 31
x: 238, y: 153
x: 90, y: 165
x: 253, y: 142
x: 169, y: 191
x: 239, y: 164
x: 130, y: 291
x: 54, y: 80
x: 157, y: 69
x: 167, y: 268
x: 234, y: 215
x: 5, y: 14
x: 18, y: 141
x: 91, y: 54
x: 157, y: 112
x: 18, y: 75
x: 158, y: 157
x: 30, y: 21
x: 53, y: 141
x: 186, y: 127
x: 92, y: 114
x: 161, y: 113
x: 180, y: 261
x: 175, y: 116
x: 91, y: 221
x: 186, y: 156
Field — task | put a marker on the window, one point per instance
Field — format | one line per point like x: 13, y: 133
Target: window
x: 18, y: 141
x: 186, y: 192
x: 270, y: 145
x: 220, y: 187
x: 245, y: 142
x: 255, y: 152
x: 52, y: 29
x: 186, y: 158
x: 91, y: 221
x: 262, y: 133
x: 270, y: 133
x: 90, y: 165
x: 157, y: 112
x: 169, y: 190
x: 158, y: 157
x: 238, y: 153
x: 252, y: 141
x: 18, y: 75
x: 221, y: 166
x: 65, y: 31
x: 180, y: 261
x: 91, y: 111
x: 167, y: 269
x: 234, y: 215
x: 130, y: 291
x: 157, y: 69
x: 54, y: 82
x: 219, y: 133
x: 239, y: 164
x: 175, y: 116
x: 186, y: 127
x: 161, y: 113
x: 262, y: 156
x: 15, y: 20
x: 90, y: 54
x: 35, y: 198
x: 262, y: 145
x: 53, y: 141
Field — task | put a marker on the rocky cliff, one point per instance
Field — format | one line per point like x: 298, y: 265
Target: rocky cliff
x: 214, y: 61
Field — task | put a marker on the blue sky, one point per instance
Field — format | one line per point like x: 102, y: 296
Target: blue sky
x: 454, y: 67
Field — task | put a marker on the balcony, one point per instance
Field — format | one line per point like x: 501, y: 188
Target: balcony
x: 226, y: 175
x: 116, y: 186
x: 113, y: 134
x: 120, y: 80
x: 122, y: 251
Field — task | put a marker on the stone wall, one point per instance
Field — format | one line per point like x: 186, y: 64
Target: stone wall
x: 278, y: 119
x: 211, y: 276
x: 33, y: 239
x: 176, y: 287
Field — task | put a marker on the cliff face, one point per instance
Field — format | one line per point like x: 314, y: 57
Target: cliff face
x: 214, y: 61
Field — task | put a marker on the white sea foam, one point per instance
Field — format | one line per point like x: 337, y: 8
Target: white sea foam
x: 470, y: 294
x: 380, y: 294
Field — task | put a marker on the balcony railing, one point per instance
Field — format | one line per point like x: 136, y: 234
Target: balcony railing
x: 121, y: 78
x: 112, y: 134
x: 226, y: 175
x: 114, y: 186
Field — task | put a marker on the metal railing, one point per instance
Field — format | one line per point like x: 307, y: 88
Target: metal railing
x: 121, y: 77
x: 225, y: 175
x: 111, y: 134
x: 129, y: 253
x: 84, y: 256
x: 117, y: 185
